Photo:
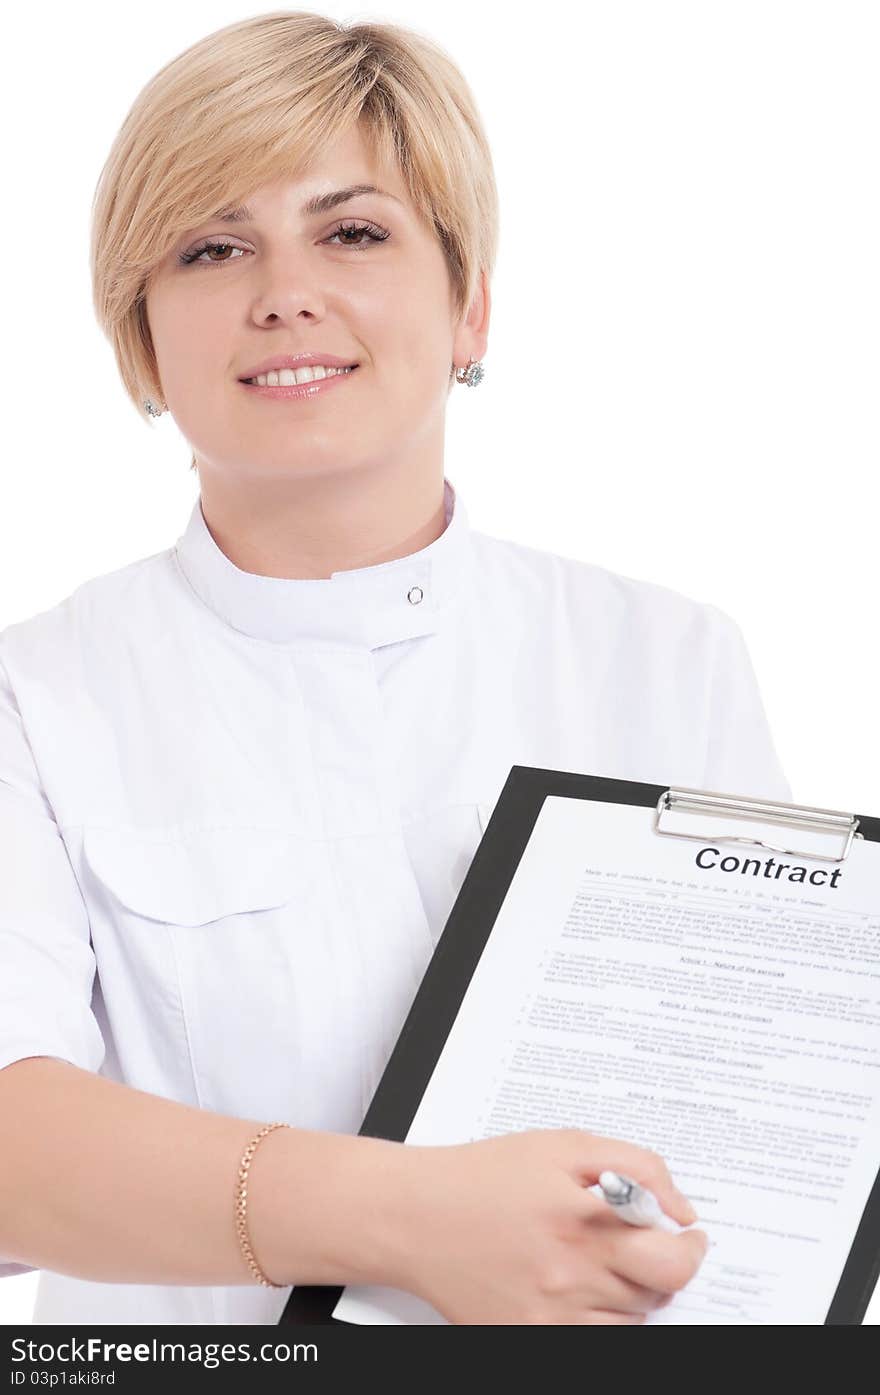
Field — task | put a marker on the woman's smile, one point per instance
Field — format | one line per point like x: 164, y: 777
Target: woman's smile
x: 287, y: 388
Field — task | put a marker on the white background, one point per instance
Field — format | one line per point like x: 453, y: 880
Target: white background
x: 681, y: 380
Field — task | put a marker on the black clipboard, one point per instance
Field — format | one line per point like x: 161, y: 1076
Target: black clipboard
x: 457, y: 953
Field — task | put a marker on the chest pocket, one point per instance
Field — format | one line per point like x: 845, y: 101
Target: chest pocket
x: 204, y: 946
x: 198, y: 877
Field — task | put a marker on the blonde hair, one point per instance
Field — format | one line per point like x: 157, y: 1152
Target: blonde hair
x: 251, y: 104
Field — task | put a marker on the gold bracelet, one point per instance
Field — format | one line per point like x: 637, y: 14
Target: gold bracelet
x: 241, y: 1205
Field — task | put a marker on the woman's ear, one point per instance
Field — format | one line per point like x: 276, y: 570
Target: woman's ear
x: 472, y: 335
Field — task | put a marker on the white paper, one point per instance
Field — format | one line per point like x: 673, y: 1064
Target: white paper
x: 727, y: 1019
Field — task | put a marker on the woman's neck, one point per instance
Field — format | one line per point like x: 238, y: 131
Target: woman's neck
x: 323, y: 524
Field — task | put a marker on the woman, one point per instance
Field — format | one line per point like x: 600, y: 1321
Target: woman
x: 243, y: 779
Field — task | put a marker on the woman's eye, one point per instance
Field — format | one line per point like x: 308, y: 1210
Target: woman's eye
x: 346, y: 231
x: 369, y: 230
x: 197, y: 252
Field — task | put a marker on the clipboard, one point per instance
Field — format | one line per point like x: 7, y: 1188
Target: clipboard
x: 469, y: 926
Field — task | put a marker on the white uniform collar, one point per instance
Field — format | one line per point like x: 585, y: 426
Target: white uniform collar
x: 367, y: 606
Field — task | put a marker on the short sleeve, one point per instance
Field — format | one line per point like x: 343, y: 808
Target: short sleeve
x: 47, y: 965
x: 741, y: 757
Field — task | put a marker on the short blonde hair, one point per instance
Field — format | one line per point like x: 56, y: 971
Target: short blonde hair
x: 251, y: 104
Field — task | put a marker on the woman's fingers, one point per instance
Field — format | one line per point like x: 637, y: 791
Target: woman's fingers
x: 656, y: 1260
x: 621, y: 1295
x: 592, y: 1154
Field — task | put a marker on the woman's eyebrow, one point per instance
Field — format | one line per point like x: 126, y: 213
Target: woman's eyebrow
x: 321, y: 203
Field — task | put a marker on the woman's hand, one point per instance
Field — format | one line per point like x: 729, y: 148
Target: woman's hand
x: 503, y: 1231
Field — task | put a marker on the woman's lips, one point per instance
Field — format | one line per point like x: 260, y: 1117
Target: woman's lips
x: 297, y: 391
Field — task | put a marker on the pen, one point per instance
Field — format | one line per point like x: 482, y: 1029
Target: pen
x: 635, y: 1204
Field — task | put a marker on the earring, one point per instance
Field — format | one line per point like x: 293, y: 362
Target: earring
x: 472, y: 375
x: 151, y: 408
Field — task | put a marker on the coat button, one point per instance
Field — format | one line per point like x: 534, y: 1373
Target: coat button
x: 414, y: 595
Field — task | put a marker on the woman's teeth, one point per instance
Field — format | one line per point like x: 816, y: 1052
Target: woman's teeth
x: 287, y: 377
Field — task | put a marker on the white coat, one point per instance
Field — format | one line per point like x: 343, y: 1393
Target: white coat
x: 235, y: 810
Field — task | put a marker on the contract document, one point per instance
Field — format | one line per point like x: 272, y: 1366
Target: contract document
x: 727, y: 1019
x: 714, y: 1001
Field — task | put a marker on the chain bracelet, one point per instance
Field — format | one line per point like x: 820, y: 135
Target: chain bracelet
x: 241, y: 1205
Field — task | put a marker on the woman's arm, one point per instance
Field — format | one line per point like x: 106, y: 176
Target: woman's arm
x: 108, y: 1183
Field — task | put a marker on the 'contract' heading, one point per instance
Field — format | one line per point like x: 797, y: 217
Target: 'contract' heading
x: 819, y: 876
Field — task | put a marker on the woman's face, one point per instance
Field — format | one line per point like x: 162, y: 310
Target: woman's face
x: 287, y: 280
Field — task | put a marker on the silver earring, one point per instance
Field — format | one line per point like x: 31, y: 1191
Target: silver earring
x: 151, y: 408
x: 472, y: 375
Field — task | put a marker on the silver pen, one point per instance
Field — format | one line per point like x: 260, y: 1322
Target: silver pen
x: 634, y: 1203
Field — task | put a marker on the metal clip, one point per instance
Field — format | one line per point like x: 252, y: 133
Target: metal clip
x: 764, y: 811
